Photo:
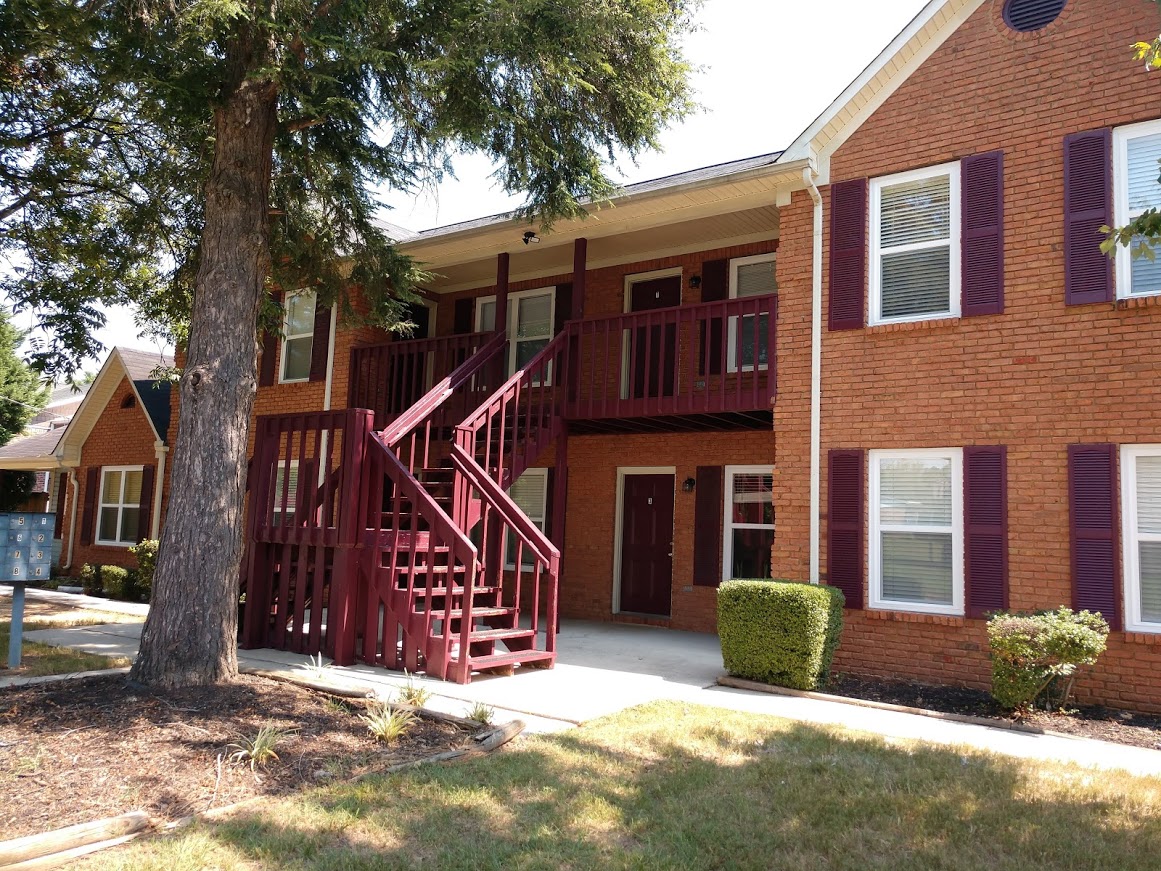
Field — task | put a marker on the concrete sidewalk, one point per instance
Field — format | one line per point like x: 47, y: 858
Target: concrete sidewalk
x: 79, y: 601
x: 604, y: 668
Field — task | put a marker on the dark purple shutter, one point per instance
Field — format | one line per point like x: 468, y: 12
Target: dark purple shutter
x: 61, y: 496
x: 92, y: 485
x: 465, y: 317
x: 1092, y: 499
x: 848, y: 254
x: 985, y: 498
x: 563, y: 305
x: 715, y: 286
x: 266, y: 371
x: 707, y: 525
x: 320, y: 349
x: 145, y: 515
x: 845, y: 512
x: 1088, y: 272
x: 982, y: 239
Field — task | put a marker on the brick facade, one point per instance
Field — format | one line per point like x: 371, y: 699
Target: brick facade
x: 1036, y: 378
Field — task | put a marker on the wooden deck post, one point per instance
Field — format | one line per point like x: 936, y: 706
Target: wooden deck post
x: 559, y: 505
x: 580, y: 250
x: 341, y: 621
x: 502, y: 292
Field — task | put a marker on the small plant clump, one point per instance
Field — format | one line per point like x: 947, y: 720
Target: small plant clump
x: 413, y: 694
x: 259, y: 750
x: 315, y: 667
x: 388, y: 724
x: 1035, y: 656
x: 481, y: 713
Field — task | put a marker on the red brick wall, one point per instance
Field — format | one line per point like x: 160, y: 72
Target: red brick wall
x: 120, y: 437
x: 1036, y: 378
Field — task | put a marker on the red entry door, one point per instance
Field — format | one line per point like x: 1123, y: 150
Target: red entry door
x: 647, y: 544
x: 654, y: 348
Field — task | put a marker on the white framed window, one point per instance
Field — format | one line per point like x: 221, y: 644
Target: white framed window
x: 119, y: 506
x: 1136, y: 152
x: 530, y: 493
x: 750, y: 276
x: 914, y: 245
x: 531, y: 318
x: 916, y: 531
x: 297, y: 336
x: 1141, y: 538
x: 748, y: 527
x: 285, y: 518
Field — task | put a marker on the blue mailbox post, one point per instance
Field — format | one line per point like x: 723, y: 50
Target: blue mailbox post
x: 25, y: 558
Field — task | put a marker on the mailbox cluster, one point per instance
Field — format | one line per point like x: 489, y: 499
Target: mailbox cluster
x: 25, y: 547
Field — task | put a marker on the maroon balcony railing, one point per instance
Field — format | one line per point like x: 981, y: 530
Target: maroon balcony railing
x: 392, y: 377
x: 709, y: 358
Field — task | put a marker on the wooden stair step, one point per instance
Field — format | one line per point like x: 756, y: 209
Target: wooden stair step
x: 444, y: 591
x: 457, y: 613
x: 500, y: 660
x: 500, y: 634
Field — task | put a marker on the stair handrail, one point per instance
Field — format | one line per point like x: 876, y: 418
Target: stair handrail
x: 430, y: 402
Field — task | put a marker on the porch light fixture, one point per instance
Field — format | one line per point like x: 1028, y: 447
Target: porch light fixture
x: 688, y: 484
x: 695, y: 281
x: 530, y: 238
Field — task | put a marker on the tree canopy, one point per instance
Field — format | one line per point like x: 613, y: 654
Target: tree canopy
x: 22, y: 393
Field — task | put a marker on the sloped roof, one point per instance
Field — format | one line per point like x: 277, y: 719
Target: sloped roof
x: 140, y: 365
x: 155, y: 400
x: 40, y: 445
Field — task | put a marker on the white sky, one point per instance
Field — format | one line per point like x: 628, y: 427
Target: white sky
x: 769, y: 70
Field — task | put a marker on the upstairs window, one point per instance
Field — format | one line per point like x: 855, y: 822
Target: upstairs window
x: 119, y: 510
x: 750, y: 276
x: 298, y: 336
x: 1136, y: 189
x: 914, y: 246
x: 1141, y: 517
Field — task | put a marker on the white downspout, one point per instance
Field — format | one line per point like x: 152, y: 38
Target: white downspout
x: 815, y: 381
x: 330, y: 360
x: 76, y: 488
x: 159, y: 451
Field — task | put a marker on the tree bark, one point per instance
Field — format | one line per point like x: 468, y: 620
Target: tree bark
x: 190, y: 636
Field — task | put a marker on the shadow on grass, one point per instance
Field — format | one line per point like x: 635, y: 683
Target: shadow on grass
x: 678, y: 786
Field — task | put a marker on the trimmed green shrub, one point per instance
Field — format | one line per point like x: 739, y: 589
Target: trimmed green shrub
x: 115, y: 582
x: 780, y: 632
x: 146, y: 553
x: 90, y: 579
x: 1035, y: 656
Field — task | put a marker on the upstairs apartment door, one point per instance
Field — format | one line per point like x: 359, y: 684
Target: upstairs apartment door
x: 654, y: 348
x: 646, y: 546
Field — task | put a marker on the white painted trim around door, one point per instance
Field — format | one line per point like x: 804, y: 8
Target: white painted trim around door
x: 618, y: 527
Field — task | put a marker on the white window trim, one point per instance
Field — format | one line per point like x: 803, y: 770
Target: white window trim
x: 541, y: 473
x: 1121, y: 214
x: 877, y: 602
x: 287, y: 336
x: 120, y: 506
x: 1130, y: 537
x: 876, y: 284
x: 513, y: 313
x: 732, y: 344
x: 728, y: 525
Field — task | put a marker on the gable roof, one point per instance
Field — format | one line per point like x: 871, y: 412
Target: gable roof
x: 35, y: 452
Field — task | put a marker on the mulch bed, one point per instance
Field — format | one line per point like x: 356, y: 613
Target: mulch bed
x: 1086, y: 721
x: 81, y: 750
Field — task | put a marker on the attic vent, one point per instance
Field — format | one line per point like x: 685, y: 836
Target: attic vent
x: 1027, y: 15
x: 129, y: 401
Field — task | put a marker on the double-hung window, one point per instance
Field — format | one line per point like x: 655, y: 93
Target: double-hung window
x: 531, y: 316
x: 119, y: 514
x: 748, y: 535
x: 530, y: 493
x: 285, y: 493
x: 1136, y: 189
x: 916, y: 531
x: 298, y: 336
x: 915, y: 268
x: 1141, y: 518
x: 750, y: 276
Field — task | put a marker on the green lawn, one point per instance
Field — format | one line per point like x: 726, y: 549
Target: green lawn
x: 42, y: 659
x: 677, y: 786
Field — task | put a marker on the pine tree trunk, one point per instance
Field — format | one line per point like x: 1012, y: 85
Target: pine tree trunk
x: 190, y: 636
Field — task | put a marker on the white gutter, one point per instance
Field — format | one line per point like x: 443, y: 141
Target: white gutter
x: 159, y: 451
x: 330, y: 360
x: 72, y: 517
x: 815, y: 380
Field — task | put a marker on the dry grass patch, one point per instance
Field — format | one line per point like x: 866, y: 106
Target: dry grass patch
x: 680, y: 786
x: 43, y: 659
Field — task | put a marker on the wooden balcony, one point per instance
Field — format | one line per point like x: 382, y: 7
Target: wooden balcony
x: 708, y: 366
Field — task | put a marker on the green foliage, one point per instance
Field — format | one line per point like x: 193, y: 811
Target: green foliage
x: 481, y: 713
x: 413, y: 694
x: 15, y: 488
x: 388, y: 724
x: 259, y: 750
x: 1035, y: 656
x: 107, y: 134
x: 91, y: 579
x: 780, y: 632
x: 146, y: 554
x: 22, y: 393
x: 115, y: 583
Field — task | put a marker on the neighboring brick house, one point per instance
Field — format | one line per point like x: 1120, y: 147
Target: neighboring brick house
x: 964, y: 417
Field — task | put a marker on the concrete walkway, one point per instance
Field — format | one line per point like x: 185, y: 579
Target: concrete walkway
x: 604, y: 668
